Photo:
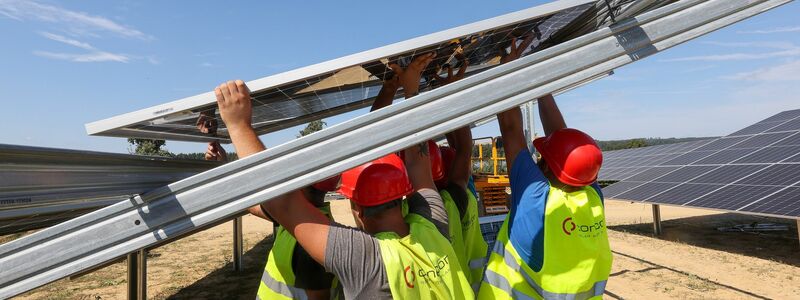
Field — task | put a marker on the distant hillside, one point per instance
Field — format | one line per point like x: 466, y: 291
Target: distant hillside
x: 643, y: 142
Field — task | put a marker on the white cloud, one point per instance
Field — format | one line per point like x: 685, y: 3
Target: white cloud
x: 65, y: 40
x: 94, y: 54
x: 774, y: 30
x: 785, y: 72
x: 206, y: 65
x: 75, y: 22
x: 98, y: 56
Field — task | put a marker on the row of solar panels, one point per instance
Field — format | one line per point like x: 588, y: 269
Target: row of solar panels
x: 754, y: 170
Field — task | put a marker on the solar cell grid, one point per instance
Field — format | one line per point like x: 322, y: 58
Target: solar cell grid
x: 684, y: 174
x: 687, y: 158
x: 793, y: 140
x: 733, y: 197
x: 759, y: 141
x: 793, y: 159
x: 613, y: 190
x: 792, y: 125
x: 783, y: 116
x: 645, y: 191
x: 727, y: 174
x: 770, y: 155
x: 683, y: 193
x: 775, y: 175
x: 721, y: 143
x: 724, y: 156
x: 651, y: 174
x: 756, y: 128
x: 783, y: 203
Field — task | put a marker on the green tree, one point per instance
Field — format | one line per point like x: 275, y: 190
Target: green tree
x: 636, y: 143
x: 148, y: 147
x: 312, y: 127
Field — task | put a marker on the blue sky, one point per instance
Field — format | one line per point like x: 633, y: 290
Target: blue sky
x: 69, y: 63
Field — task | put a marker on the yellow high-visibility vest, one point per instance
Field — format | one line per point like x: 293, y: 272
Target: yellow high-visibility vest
x: 422, y: 265
x: 577, y: 257
x: 277, y: 281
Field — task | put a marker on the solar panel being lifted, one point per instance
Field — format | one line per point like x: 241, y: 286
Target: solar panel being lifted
x: 754, y: 170
x: 352, y: 82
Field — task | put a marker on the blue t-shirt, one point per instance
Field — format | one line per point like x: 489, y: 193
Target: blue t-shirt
x: 529, y: 190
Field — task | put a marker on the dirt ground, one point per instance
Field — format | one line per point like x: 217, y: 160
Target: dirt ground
x: 691, y: 260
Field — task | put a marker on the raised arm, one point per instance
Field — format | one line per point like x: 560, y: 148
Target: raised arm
x: 510, y: 121
x: 461, y: 168
x: 418, y: 166
x: 386, y: 95
x: 460, y: 139
x: 292, y: 210
x: 552, y: 119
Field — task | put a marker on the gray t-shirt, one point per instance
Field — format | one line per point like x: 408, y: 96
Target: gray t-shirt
x: 355, y: 256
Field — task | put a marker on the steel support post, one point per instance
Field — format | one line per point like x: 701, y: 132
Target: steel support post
x: 798, y: 230
x: 656, y: 219
x: 137, y: 275
x: 133, y: 283
x: 223, y: 192
x: 238, y: 244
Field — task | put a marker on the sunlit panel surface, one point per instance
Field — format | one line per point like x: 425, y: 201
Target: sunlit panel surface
x: 352, y: 82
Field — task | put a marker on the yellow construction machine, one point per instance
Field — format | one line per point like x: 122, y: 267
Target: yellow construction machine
x: 490, y: 172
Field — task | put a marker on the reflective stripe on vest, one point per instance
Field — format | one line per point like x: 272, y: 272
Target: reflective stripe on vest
x: 277, y: 282
x: 282, y: 288
x: 498, y: 281
x: 577, y: 258
x: 475, y: 245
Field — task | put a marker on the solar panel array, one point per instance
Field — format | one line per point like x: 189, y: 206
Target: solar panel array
x: 332, y: 92
x: 754, y: 170
x: 622, y: 164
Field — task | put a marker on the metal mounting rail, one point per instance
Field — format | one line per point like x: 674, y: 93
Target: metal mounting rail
x: 159, y: 215
x: 43, y: 186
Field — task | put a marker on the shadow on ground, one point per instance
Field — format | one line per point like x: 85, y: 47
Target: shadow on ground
x: 701, y: 231
x: 225, y: 283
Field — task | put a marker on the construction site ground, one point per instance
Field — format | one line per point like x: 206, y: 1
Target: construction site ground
x: 691, y: 260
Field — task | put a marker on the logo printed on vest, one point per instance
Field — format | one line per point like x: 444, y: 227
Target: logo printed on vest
x: 442, y: 264
x: 409, y: 283
x: 564, y: 226
x: 591, y: 230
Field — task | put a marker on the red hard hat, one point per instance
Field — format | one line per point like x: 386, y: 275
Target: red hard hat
x: 448, y: 155
x: 376, y: 182
x: 572, y: 155
x: 437, y: 169
x: 328, y: 185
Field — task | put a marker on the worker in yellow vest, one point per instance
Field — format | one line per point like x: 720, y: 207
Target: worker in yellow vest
x: 290, y: 273
x: 390, y: 256
x: 553, y: 243
x: 454, y: 187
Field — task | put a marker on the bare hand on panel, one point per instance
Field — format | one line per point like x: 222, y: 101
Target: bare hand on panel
x: 516, y: 50
x: 235, y: 107
x: 440, y: 81
x: 215, y: 152
x: 410, y: 76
